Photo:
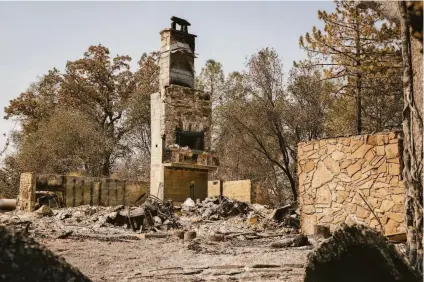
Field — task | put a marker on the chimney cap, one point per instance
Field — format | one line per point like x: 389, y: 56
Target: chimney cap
x: 180, y: 21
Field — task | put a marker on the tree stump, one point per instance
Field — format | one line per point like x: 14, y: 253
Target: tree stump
x: 357, y: 253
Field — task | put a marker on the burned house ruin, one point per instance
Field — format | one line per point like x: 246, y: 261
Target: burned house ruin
x: 180, y: 122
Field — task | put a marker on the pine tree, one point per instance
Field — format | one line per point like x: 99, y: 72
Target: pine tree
x: 356, y: 47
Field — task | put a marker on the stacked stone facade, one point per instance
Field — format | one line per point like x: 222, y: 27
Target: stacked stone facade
x: 352, y: 180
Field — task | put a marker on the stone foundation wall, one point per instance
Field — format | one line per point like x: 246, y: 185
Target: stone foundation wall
x: 334, y: 173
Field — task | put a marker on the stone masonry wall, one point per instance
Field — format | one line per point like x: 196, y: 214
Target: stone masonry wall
x: 334, y: 173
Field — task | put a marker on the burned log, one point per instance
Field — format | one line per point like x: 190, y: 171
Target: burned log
x: 357, y: 253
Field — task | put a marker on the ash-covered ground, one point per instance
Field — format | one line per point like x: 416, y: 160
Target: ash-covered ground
x: 216, y: 240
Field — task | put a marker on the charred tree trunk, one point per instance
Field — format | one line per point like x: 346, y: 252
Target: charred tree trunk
x: 358, y: 253
x: 106, y: 165
x: 413, y: 140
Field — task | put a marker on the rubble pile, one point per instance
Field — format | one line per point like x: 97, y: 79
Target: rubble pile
x: 216, y: 208
x: 207, y: 218
x: 152, y: 215
x: 98, y: 221
x: 220, y: 215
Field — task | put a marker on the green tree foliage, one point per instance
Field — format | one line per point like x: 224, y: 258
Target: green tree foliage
x: 308, y: 102
x: 211, y: 79
x: 112, y: 98
x: 356, y: 48
x: 68, y: 142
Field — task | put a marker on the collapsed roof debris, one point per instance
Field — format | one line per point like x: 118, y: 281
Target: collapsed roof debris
x: 152, y: 216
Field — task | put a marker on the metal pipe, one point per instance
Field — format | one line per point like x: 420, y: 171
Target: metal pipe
x: 7, y: 204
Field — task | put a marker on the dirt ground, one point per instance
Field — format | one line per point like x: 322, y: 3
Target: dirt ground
x: 170, y: 259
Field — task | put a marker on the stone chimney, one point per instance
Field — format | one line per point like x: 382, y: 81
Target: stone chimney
x: 177, y: 55
x: 181, y: 119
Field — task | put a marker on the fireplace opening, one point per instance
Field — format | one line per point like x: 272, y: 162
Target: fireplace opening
x: 193, y: 140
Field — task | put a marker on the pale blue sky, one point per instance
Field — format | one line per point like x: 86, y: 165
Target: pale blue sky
x: 37, y: 36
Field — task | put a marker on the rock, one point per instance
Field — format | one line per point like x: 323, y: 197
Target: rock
x: 345, y: 163
x: 354, y: 168
x: 157, y: 220
x: 321, y: 176
x: 300, y: 240
x: 341, y: 196
x: 65, y: 234
x: 179, y: 234
x: 357, y: 253
x: 281, y: 244
x: 386, y: 205
x: 382, y: 168
x: 362, y: 213
x: 323, y: 195
x: 391, y: 226
x: 44, y: 211
x: 380, y: 150
x: 326, y: 219
x: 337, y: 156
x: 332, y: 165
x: 308, y: 209
x: 309, y: 166
x: 189, y: 235
x: 217, y: 237
x: 398, y: 217
x: 361, y: 151
x: 392, y: 151
x: 394, y: 169
x: 398, y: 199
x: 188, y: 204
x: 214, y: 217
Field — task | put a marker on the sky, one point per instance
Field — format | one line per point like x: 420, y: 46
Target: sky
x: 37, y: 36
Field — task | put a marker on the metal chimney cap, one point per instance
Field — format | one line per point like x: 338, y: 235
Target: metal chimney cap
x: 180, y: 21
